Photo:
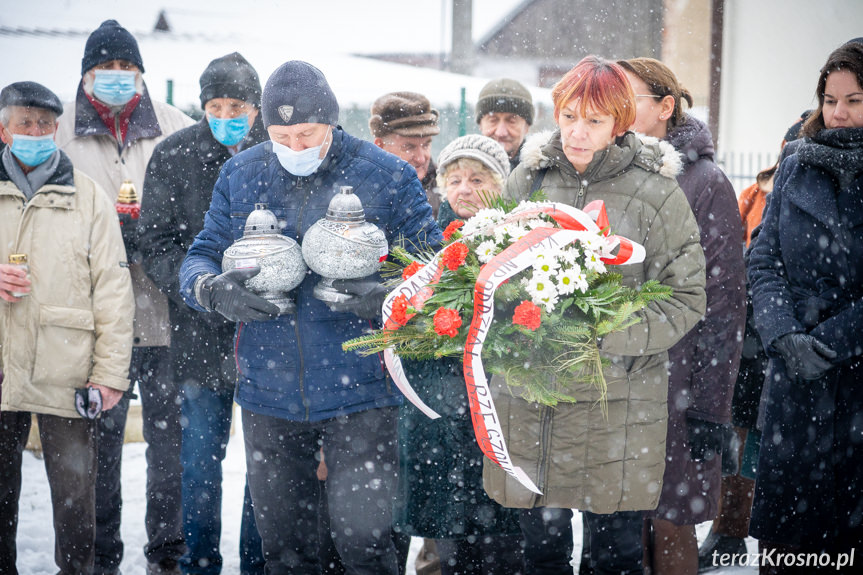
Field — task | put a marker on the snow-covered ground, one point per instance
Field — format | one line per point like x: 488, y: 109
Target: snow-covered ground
x: 36, y: 536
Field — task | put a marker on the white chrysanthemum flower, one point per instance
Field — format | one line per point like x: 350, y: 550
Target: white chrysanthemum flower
x: 486, y: 250
x: 592, y: 241
x: 540, y: 287
x: 547, y: 262
x: 526, y: 205
x: 593, y: 263
x: 570, y: 255
x: 518, y: 232
x: 567, y: 279
x: 550, y: 302
x: 512, y: 230
x: 537, y: 223
x: 482, y: 219
x: 581, y: 282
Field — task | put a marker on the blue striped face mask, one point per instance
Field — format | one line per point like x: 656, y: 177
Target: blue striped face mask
x: 229, y: 131
x: 114, y: 87
x: 33, y: 150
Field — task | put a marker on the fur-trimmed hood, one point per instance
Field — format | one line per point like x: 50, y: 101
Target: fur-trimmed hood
x: 692, y: 139
x: 544, y: 149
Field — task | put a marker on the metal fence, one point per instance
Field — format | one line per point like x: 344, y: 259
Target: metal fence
x: 742, y: 167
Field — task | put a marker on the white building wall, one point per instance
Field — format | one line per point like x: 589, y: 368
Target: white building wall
x: 773, y: 51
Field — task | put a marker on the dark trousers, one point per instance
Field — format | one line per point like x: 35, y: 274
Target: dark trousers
x: 206, y: 421
x: 481, y: 555
x: 160, y: 407
x: 69, y: 449
x: 281, y: 460
x: 548, y: 541
x: 331, y: 563
x: 616, y: 542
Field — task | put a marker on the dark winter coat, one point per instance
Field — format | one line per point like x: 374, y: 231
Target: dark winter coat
x: 806, y: 271
x: 293, y: 367
x: 578, y: 457
x: 178, y: 188
x: 703, y: 365
x: 753, y: 360
x: 440, y: 464
x: 91, y: 146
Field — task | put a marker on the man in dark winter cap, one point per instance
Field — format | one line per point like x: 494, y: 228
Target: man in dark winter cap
x: 66, y: 335
x: 177, y: 192
x: 109, y: 132
x: 297, y: 388
x: 403, y: 123
x: 504, y: 112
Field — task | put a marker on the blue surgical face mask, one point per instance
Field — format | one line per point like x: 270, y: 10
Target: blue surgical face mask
x: 114, y: 87
x: 229, y: 131
x: 301, y: 163
x: 33, y: 150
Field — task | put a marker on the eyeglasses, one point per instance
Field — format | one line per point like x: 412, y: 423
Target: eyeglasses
x: 648, y: 96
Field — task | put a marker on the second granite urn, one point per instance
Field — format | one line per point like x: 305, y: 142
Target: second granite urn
x: 278, y: 256
x: 343, y: 245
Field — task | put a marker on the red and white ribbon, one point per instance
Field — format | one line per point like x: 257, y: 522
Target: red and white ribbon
x: 416, y: 289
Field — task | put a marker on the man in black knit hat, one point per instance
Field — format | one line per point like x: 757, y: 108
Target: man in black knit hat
x: 177, y: 192
x: 109, y: 132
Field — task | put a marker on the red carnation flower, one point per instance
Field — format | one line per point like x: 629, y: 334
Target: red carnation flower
x: 451, y: 228
x: 446, y: 322
x: 454, y: 255
x: 411, y: 270
x: 400, y: 308
x: 527, y: 315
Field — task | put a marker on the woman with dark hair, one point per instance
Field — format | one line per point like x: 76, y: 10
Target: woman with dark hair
x: 703, y: 365
x: 578, y: 455
x: 806, y: 271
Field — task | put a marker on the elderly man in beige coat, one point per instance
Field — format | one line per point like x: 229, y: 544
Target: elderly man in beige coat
x: 65, y: 321
x: 110, y: 132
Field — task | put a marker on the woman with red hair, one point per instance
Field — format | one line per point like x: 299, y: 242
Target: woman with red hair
x: 578, y: 455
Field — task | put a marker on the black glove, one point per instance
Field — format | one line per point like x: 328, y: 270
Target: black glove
x: 368, y: 297
x: 705, y: 439
x: 227, y: 294
x: 806, y: 357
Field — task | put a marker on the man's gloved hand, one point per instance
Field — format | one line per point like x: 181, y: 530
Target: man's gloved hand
x: 705, y: 439
x: 227, y: 294
x: 368, y: 297
x: 806, y: 357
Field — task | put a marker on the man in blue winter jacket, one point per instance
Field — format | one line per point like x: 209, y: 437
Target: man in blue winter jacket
x: 298, y: 390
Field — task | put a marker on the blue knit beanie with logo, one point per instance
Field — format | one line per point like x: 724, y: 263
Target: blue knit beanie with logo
x: 298, y: 93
